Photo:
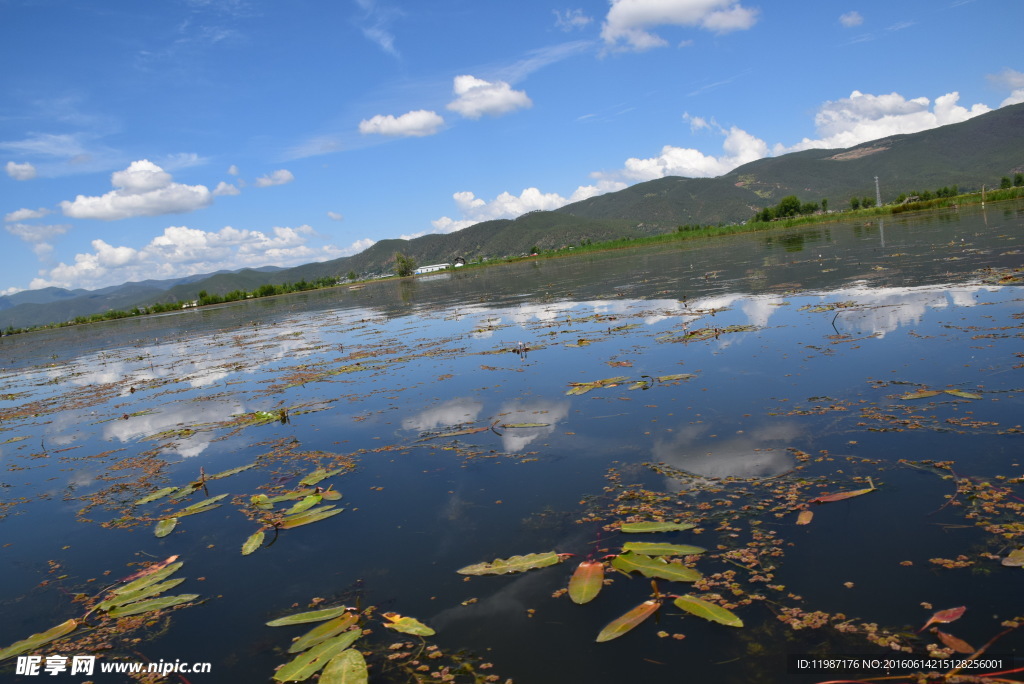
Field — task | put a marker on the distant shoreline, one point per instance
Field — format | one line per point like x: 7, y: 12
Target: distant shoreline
x: 682, y: 234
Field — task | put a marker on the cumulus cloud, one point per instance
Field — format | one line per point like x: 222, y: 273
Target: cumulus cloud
x: 143, y: 189
x: 739, y: 147
x: 417, y: 123
x: 233, y: 170
x: 571, y: 19
x: 862, y: 117
x: 628, y: 21
x: 21, y: 171
x: 851, y: 19
x: 477, y: 97
x: 36, y: 235
x: 223, y: 189
x: 181, y: 251
x: 1012, y: 80
x: 23, y: 214
x: 279, y: 177
x: 506, y: 205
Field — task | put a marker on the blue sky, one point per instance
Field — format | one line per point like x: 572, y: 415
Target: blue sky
x: 159, y: 139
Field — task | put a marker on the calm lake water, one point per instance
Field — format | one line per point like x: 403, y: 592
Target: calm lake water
x: 755, y: 374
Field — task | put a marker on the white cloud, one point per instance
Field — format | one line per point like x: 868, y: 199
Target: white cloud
x: 477, y: 97
x: 233, y: 170
x: 739, y: 147
x: 279, y: 177
x: 571, y: 19
x: 506, y: 205
x: 323, y: 144
x: 1011, y: 80
x: 377, y: 24
x: 23, y: 214
x: 181, y: 250
x: 225, y: 189
x: 851, y: 19
x: 183, y: 160
x: 417, y: 123
x: 628, y: 21
x: 37, y: 235
x: 143, y: 189
x: 21, y: 171
x: 335, y: 216
x: 863, y: 117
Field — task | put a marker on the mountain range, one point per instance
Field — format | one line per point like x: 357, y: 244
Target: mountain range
x: 970, y: 154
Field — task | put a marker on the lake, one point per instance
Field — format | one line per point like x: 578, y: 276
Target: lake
x: 384, y: 438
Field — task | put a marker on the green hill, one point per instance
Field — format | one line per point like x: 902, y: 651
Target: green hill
x: 969, y: 154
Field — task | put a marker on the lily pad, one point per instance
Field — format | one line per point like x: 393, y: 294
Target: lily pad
x: 655, y: 526
x: 708, y: 611
x: 165, y: 527
x: 36, y: 640
x: 655, y: 568
x: 662, y: 549
x: 348, y: 667
x: 309, y: 616
x: 502, y: 566
x: 407, y: 625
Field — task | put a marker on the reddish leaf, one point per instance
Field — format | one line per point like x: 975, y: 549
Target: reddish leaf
x: 839, y: 496
x: 149, y: 570
x: 586, y: 582
x: 804, y: 517
x: 958, y: 645
x: 948, y: 615
x: 623, y: 624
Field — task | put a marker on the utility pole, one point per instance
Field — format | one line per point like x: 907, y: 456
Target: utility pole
x: 878, y: 194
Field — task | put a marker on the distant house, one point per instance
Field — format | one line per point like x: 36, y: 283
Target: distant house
x: 440, y: 267
x: 432, y: 268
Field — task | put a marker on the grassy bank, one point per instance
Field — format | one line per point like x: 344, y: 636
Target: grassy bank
x: 682, y: 234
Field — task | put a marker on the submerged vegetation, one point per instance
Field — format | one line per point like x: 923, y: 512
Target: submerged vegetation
x: 462, y: 491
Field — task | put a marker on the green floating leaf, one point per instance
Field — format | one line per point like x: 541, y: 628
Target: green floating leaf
x: 310, y: 616
x: 457, y: 433
x: 676, y: 376
x: 165, y: 527
x: 323, y: 632
x: 330, y: 495
x: 586, y: 582
x: 655, y: 568
x: 920, y: 394
x: 138, y: 594
x: 407, y: 625
x: 232, y: 471
x: 962, y: 394
x: 661, y: 549
x: 310, y: 516
x: 254, y: 542
x: 655, y: 526
x: 36, y: 640
x: 305, y: 665
x: 261, y: 501
x: 158, y: 494
x: 348, y: 667
x: 204, y: 505
x: 150, y: 578
x: 190, y: 488
x: 708, y: 611
x: 318, y: 475
x: 623, y: 624
x: 306, y: 503
x: 639, y: 385
x: 501, y: 566
x: 1015, y: 559
x: 524, y: 425
x: 151, y: 605
x: 584, y: 387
